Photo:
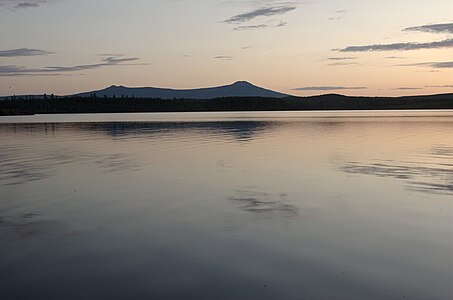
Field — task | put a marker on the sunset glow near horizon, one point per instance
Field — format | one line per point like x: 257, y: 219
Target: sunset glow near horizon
x: 352, y: 47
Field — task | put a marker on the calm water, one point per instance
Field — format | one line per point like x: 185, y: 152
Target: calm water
x: 339, y: 205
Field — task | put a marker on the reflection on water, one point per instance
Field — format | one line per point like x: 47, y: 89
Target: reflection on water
x: 433, y: 177
x: 19, y: 165
x: 443, y: 152
x: 346, y: 205
x: 261, y: 202
x: 16, y: 169
x: 31, y: 225
x: 240, y: 130
x: 19, y: 169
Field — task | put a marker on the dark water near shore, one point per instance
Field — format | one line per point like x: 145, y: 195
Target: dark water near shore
x: 334, y: 205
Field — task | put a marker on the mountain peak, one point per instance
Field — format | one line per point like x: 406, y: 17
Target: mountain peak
x: 242, y: 83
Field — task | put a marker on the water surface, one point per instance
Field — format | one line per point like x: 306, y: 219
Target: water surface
x: 284, y: 205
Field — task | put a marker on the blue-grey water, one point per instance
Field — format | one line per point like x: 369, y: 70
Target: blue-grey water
x: 309, y: 205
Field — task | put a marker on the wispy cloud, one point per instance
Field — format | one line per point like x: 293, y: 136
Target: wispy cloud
x: 442, y: 65
x: 435, y: 65
x: 449, y: 86
x: 224, y: 57
x: 407, y: 46
x: 434, y: 28
x: 406, y: 88
x: 266, y: 12
x: 344, y: 63
x: 342, y: 58
x: 448, y: 43
x: 22, y: 4
x: 261, y: 9
x: 23, y: 52
x: 251, y: 27
x: 329, y: 88
x: 339, y: 14
x: 260, y: 26
x: 14, y: 70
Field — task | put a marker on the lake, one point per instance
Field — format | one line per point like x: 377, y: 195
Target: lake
x: 256, y: 205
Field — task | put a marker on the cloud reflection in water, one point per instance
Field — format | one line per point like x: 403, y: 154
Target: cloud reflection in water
x: 434, y: 177
x: 261, y: 202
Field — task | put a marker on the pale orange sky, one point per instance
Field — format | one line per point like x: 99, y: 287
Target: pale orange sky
x: 296, y: 47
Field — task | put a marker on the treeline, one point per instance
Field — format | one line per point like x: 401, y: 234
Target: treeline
x: 53, y: 105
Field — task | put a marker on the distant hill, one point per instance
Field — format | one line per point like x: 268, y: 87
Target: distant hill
x: 237, y: 89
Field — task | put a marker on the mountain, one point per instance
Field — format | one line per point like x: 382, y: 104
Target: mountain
x: 237, y: 89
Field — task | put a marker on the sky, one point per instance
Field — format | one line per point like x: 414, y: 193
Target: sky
x: 352, y: 47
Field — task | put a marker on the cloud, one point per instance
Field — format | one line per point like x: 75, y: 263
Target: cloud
x: 433, y: 28
x: 407, y: 46
x: 342, y: 58
x: 329, y: 88
x: 224, y: 57
x: 450, y: 86
x: 261, y: 12
x: 339, y: 15
x: 27, y: 5
x: 110, y: 54
x: 21, y: 4
x: 342, y: 61
x: 23, y: 52
x: 262, y: 8
x: 405, y: 88
x: 260, y: 26
x: 336, y: 64
x: 448, y: 43
x: 442, y: 65
x: 13, y: 70
x: 251, y: 27
x: 435, y: 65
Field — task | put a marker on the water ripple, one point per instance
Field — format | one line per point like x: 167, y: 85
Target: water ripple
x: 261, y: 202
x: 432, y: 177
x: 19, y: 166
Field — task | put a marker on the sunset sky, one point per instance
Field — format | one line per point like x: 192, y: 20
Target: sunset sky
x: 353, y: 47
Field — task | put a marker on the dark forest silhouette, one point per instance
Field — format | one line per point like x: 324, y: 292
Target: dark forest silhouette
x: 94, y: 104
